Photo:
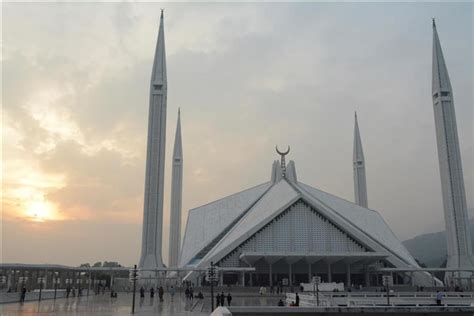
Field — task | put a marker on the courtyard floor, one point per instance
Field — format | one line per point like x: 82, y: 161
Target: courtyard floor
x: 122, y: 305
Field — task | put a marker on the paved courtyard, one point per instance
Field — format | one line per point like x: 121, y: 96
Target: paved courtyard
x: 105, y: 305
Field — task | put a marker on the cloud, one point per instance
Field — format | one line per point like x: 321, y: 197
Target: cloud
x: 247, y: 77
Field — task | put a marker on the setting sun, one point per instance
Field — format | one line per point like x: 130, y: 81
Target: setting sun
x: 40, y: 211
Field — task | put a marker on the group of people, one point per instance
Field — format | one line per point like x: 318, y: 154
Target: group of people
x: 278, y: 289
x: 161, y: 292
x: 220, y: 299
x: 72, y: 291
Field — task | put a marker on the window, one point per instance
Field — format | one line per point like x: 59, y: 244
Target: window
x: 158, y: 86
x: 445, y: 93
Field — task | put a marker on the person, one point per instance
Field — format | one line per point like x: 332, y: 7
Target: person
x: 191, y: 293
x: 73, y: 291
x: 142, y: 292
x: 152, y: 292
x: 68, y: 291
x: 229, y: 299
x: 439, y: 297
x: 187, y: 293
x: 292, y: 303
x: 218, y: 300
x: 280, y: 302
x: 160, y: 293
x: 200, y: 296
x: 23, y: 294
x: 297, y: 298
x: 79, y: 292
x: 222, y: 298
x: 172, y: 292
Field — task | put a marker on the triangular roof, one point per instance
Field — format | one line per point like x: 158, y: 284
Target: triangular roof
x: 215, y: 230
x: 206, y: 222
x: 278, y: 198
x: 366, y: 221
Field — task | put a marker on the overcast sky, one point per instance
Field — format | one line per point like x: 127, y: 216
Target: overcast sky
x: 247, y: 77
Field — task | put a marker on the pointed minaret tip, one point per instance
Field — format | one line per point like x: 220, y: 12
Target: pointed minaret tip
x: 434, y: 23
x: 162, y: 13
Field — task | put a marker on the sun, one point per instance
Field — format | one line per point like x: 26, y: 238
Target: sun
x: 39, y: 211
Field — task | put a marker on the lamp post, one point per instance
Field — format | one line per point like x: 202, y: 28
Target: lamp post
x: 316, y: 280
x: 212, y: 277
x: 387, y: 280
x: 41, y: 281
x: 56, y: 281
x: 134, y: 275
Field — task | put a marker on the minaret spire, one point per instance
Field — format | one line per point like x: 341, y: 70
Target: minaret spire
x: 176, y: 197
x: 452, y: 181
x: 151, y: 256
x: 360, y: 183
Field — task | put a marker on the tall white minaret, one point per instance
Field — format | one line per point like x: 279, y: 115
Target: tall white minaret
x: 151, y: 256
x: 360, y: 184
x: 452, y: 181
x: 176, y: 197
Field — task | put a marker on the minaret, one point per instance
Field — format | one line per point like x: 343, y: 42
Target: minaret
x: 452, y: 182
x: 155, y: 160
x: 360, y: 184
x: 176, y: 197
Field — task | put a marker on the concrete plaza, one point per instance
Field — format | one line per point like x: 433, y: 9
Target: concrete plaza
x: 104, y: 305
x: 122, y: 305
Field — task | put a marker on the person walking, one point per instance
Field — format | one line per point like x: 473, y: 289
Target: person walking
x: 172, y: 292
x: 439, y: 297
x: 297, y: 299
x: 23, y: 295
x: 160, y: 293
x: 152, y: 292
x: 229, y: 299
x: 218, y: 300
x: 222, y: 298
x: 142, y: 292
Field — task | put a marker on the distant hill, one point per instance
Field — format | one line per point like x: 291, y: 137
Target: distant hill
x: 430, y: 249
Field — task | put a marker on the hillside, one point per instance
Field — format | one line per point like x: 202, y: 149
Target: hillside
x: 430, y: 249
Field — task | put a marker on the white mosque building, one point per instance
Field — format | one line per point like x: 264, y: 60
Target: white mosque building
x: 285, y: 231
x: 288, y: 230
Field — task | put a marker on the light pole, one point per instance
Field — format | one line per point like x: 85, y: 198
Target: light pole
x: 40, y: 282
x: 56, y: 281
x: 211, y: 277
x: 387, y: 281
x: 316, y: 280
x: 134, y: 275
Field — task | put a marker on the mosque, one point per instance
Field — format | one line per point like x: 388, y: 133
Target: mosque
x: 285, y: 231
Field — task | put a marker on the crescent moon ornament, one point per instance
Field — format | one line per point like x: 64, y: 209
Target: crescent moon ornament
x: 282, y: 153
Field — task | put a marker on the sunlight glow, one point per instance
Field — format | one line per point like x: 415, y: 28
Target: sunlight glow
x: 40, y: 211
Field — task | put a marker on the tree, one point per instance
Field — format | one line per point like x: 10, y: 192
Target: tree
x: 84, y: 265
x: 97, y: 264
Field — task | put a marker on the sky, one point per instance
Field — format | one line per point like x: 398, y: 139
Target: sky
x: 75, y: 86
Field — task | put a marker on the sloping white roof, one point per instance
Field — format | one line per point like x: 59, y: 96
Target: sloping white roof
x: 368, y: 221
x: 206, y: 222
x: 279, y: 197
